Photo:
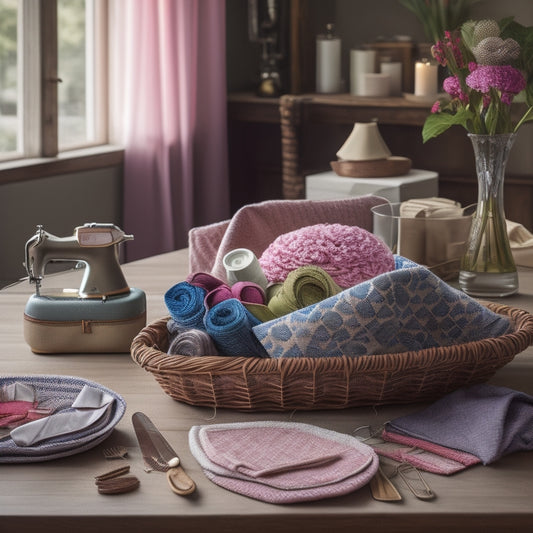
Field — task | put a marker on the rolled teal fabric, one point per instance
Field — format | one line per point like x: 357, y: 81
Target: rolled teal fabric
x: 230, y: 325
x: 407, y: 309
x: 185, y: 303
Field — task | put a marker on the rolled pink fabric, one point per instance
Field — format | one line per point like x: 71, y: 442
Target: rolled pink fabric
x: 248, y: 292
x: 217, y: 295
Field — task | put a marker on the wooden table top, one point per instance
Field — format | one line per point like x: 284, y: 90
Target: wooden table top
x: 60, y: 495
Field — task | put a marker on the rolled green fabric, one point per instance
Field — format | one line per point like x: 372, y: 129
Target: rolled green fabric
x: 304, y: 286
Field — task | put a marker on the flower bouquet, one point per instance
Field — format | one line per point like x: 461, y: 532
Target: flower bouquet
x: 490, y: 65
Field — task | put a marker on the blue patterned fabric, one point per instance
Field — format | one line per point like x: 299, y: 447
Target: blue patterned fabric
x: 185, y: 303
x: 407, y: 309
x: 230, y: 325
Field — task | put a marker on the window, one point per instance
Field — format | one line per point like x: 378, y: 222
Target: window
x: 52, y: 76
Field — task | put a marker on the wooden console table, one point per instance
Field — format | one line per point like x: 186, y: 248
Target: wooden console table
x: 275, y: 142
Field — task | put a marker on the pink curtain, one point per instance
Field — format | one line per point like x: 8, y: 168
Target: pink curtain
x: 168, y: 109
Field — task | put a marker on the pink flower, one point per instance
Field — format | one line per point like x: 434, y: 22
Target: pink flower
x: 504, y: 78
x: 448, y: 51
x: 452, y: 86
x: 435, y: 108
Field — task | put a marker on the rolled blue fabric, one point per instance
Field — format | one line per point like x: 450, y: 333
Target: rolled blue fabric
x: 230, y: 325
x: 185, y: 303
x: 407, y: 309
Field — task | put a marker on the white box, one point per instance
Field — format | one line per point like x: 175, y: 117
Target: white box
x: 415, y: 184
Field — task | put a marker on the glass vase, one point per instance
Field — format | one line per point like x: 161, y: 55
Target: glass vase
x: 487, y: 267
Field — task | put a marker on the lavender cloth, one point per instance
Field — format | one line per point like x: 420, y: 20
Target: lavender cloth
x: 407, y: 309
x: 484, y: 420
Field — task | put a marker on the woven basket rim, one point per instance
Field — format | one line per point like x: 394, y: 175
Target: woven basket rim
x: 150, y: 357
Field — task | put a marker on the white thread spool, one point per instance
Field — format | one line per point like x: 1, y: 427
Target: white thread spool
x: 241, y: 264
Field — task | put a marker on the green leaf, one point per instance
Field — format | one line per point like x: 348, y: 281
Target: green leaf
x: 438, y: 123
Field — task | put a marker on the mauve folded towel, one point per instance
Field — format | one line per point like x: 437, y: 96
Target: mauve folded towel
x: 407, y: 309
x: 255, y: 226
x: 483, y: 420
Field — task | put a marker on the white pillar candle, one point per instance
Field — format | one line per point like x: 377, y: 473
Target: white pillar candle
x: 394, y: 70
x: 426, y: 78
x: 361, y: 63
x: 328, y: 63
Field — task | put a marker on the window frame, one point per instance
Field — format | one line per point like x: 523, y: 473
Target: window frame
x: 40, y: 155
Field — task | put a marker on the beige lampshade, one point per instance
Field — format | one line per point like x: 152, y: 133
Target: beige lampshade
x: 364, y: 143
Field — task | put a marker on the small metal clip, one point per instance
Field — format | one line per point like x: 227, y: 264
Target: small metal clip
x: 418, y: 485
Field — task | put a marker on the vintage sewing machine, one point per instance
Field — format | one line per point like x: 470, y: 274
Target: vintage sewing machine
x: 103, y: 315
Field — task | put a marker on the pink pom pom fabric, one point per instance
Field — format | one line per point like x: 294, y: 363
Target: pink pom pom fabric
x: 349, y: 254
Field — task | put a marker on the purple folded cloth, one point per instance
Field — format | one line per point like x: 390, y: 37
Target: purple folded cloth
x: 484, y: 420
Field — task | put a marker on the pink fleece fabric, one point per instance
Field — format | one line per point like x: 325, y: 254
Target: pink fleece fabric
x: 349, y: 254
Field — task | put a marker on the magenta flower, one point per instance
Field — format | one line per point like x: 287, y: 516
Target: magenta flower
x: 504, y: 78
x: 452, y: 86
x: 435, y: 108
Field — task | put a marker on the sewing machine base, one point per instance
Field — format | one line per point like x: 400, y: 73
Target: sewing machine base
x: 74, y: 325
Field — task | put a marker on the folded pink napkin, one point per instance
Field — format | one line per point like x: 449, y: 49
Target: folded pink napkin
x: 18, y: 405
x: 423, y: 455
x: 282, y: 462
x: 255, y: 226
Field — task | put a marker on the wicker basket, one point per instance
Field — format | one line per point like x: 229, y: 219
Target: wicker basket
x: 257, y: 384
